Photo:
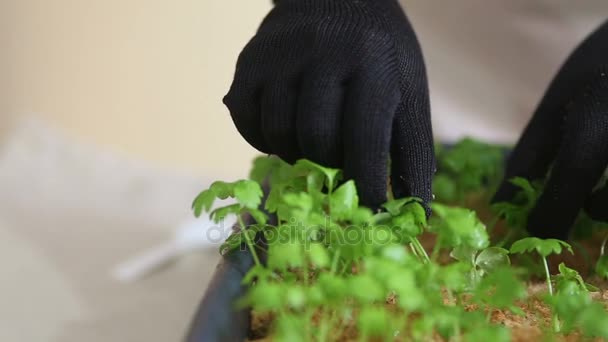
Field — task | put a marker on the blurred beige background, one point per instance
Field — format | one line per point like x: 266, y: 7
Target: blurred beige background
x: 146, y: 77
x: 111, y: 121
x: 143, y: 77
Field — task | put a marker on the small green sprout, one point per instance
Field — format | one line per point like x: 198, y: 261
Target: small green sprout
x: 458, y: 227
x: 501, y: 289
x: 466, y: 167
x: 343, y: 201
x: 601, y: 267
x: 488, y: 333
x: 249, y: 196
x: 331, y: 265
x: 570, y: 281
x: 544, y: 248
x: 407, y: 219
x: 579, y: 311
x: 517, y: 211
x: 481, y: 263
x: 374, y: 322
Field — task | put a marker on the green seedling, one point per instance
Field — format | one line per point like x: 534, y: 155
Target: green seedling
x: 407, y: 219
x: 481, y: 263
x: 500, y: 290
x: 331, y: 264
x: 515, y: 213
x: 249, y: 196
x: 570, y: 281
x: 458, y: 228
x: 544, y: 248
x: 601, y: 267
x: 579, y: 311
x: 467, y: 167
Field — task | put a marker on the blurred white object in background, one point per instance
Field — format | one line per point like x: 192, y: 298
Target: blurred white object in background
x: 191, y: 236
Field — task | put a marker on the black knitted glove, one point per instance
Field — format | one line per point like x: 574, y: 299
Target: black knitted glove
x: 568, y: 134
x: 343, y: 83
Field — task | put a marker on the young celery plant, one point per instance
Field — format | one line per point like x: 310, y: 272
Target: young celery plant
x: 457, y: 228
x: 516, y: 213
x: 544, y: 248
x: 407, y: 219
x: 467, y: 167
x: 248, y: 195
x: 601, y: 267
x: 318, y: 272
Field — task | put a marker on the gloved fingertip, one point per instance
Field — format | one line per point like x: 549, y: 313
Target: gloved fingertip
x: 596, y: 205
x: 539, y: 226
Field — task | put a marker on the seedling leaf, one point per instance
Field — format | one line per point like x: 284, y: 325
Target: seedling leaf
x: 601, y: 267
x: 284, y: 256
x: 291, y: 328
x: 248, y: 193
x: 334, y: 287
x: 374, y: 321
x: 568, y: 275
x: 365, y: 288
x: 464, y: 253
x: 267, y: 296
x: 263, y: 168
x: 221, y: 213
x: 296, y: 297
x: 488, y: 333
x: 318, y: 255
x: 492, y: 258
x: 501, y: 288
x: 542, y: 247
x: 331, y: 175
x: 203, y: 202
x: 259, y: 216
x: 344, y: 201
x: 459, y: 226
x: 445, y: 188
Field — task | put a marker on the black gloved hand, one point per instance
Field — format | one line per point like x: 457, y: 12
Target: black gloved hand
x: 569, y: 131
x: 343, y: 83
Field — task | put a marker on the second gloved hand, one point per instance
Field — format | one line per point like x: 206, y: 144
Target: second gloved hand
x: 567, y: 139
x: 343, y: 83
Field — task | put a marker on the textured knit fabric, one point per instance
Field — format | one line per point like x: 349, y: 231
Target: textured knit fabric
x: 343, y: 83
x: 567, y: 135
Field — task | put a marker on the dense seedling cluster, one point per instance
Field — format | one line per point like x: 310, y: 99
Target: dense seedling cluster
x: 329, y: 269
x: 467, y: 167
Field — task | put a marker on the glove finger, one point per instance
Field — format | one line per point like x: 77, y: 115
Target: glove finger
x: 539, y: 143
x: 596, y: 206
x: 279, y: 101
x: 533, y: 154
x: 412, y: 149
x: 580, y: 163
x: 319, y: 118
x: 243, y: 100
x: 370, y: 106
